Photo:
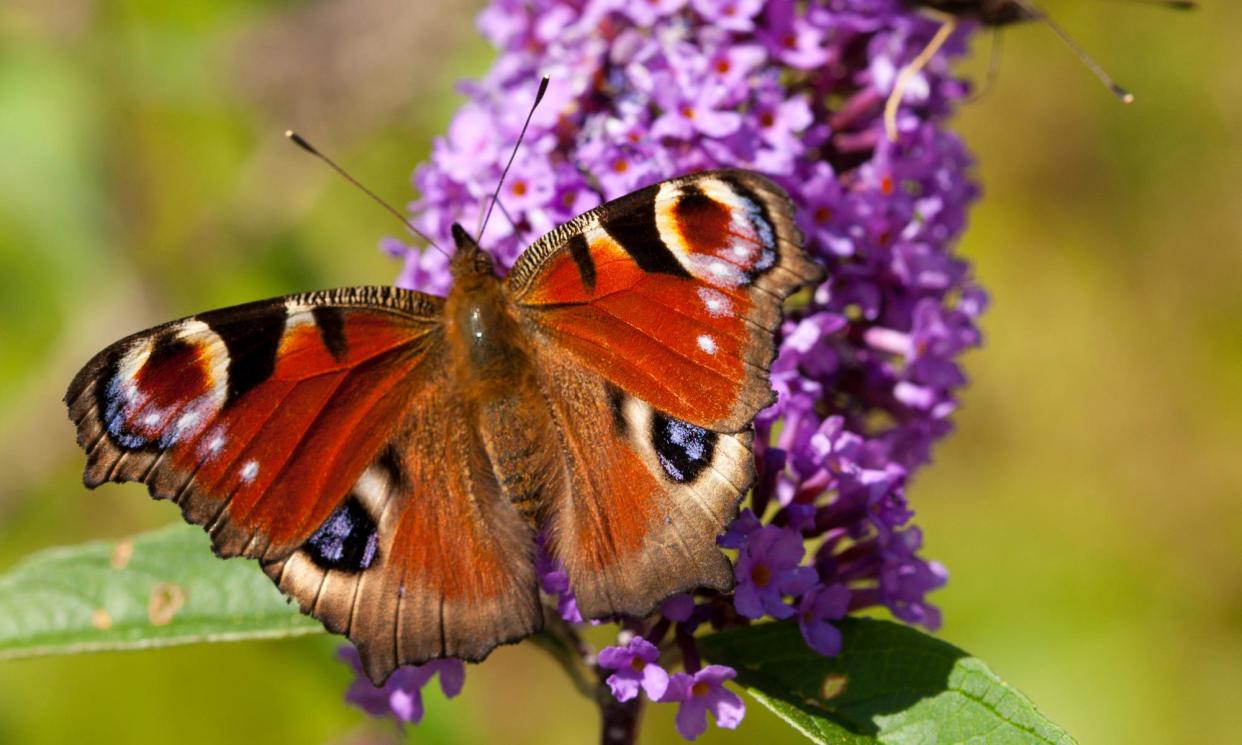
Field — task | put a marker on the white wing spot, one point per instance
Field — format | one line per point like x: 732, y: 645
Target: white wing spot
x: 184, y: 424
x: 717, y: 303
x: 707, y: 344
x: 151, y: 419
x: 249, y: 471
x: 719, y: 272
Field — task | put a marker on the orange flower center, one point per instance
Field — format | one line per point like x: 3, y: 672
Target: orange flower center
x: 700, y: 689
x: 638, y: 663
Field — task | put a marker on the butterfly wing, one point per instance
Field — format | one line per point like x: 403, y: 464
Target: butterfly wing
x: 654, y: 318
x: 647, y: 495
x: 313, y: 432
x: 672, y: 293
x: 458, y: 567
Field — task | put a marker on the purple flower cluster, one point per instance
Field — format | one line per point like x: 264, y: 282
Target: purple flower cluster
x: 643, y: 90
x: 697, y: 693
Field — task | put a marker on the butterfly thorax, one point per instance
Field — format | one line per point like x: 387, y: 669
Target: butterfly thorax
x: 488, y: 348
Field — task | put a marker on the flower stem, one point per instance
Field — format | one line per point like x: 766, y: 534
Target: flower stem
x: 561, y: 640
x: 618, y: 719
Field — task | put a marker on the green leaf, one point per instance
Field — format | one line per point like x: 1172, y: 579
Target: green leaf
x: 158, y: 589
x: 890, y: 684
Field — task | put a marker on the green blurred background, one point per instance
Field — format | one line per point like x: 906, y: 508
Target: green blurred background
x: 1088, y: 507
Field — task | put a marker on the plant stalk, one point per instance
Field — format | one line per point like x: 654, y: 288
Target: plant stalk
x: 619, y: 720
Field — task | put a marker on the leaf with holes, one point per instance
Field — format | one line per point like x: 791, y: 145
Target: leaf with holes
x: 890, y: 684
x: 157, y: 589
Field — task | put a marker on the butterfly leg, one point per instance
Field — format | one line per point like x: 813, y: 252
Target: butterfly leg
x: 907, y: 73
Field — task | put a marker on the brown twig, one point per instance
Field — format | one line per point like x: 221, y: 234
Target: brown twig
x: 618, y: 720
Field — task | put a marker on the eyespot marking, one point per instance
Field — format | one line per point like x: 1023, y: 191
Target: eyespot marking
x: 162, y: 389
x: 347, y: 541
x: 683, y: 449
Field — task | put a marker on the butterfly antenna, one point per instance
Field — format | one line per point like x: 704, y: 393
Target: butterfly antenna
x: 543, y: 88
x: 1122, y: 94
x: 507, y: 214
x: 302, y: 143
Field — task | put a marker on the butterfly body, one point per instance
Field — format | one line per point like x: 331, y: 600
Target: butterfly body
x: 494, y: 371
x: 987, y: 12
x: 391, y: 458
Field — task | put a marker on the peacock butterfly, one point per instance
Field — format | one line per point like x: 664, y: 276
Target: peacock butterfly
x: 389, y: 456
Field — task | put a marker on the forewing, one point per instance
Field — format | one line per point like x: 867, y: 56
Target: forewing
x: 257, y: 419
x: 672, y: 293
x: 647, y: 496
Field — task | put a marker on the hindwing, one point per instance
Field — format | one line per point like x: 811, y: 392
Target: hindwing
x: 647, y: 494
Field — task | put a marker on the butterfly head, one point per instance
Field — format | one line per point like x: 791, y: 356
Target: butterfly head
x: 470, y: 262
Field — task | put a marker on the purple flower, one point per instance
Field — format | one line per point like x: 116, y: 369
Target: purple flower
x: 767, y: 569
x: 401, y: 696
x: 737, y: 534
x: 699, y: 110
x: 703, y: 693
x: 730, y: 65
x: 636, y: 666
x: 782, y: 120
x: 818, y: 608
x: 734, y: 15
x: 555, y: 581
x: 906, y: 579
x: 647, y: 12
x: 678, y: 608
x: 793, y: 39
